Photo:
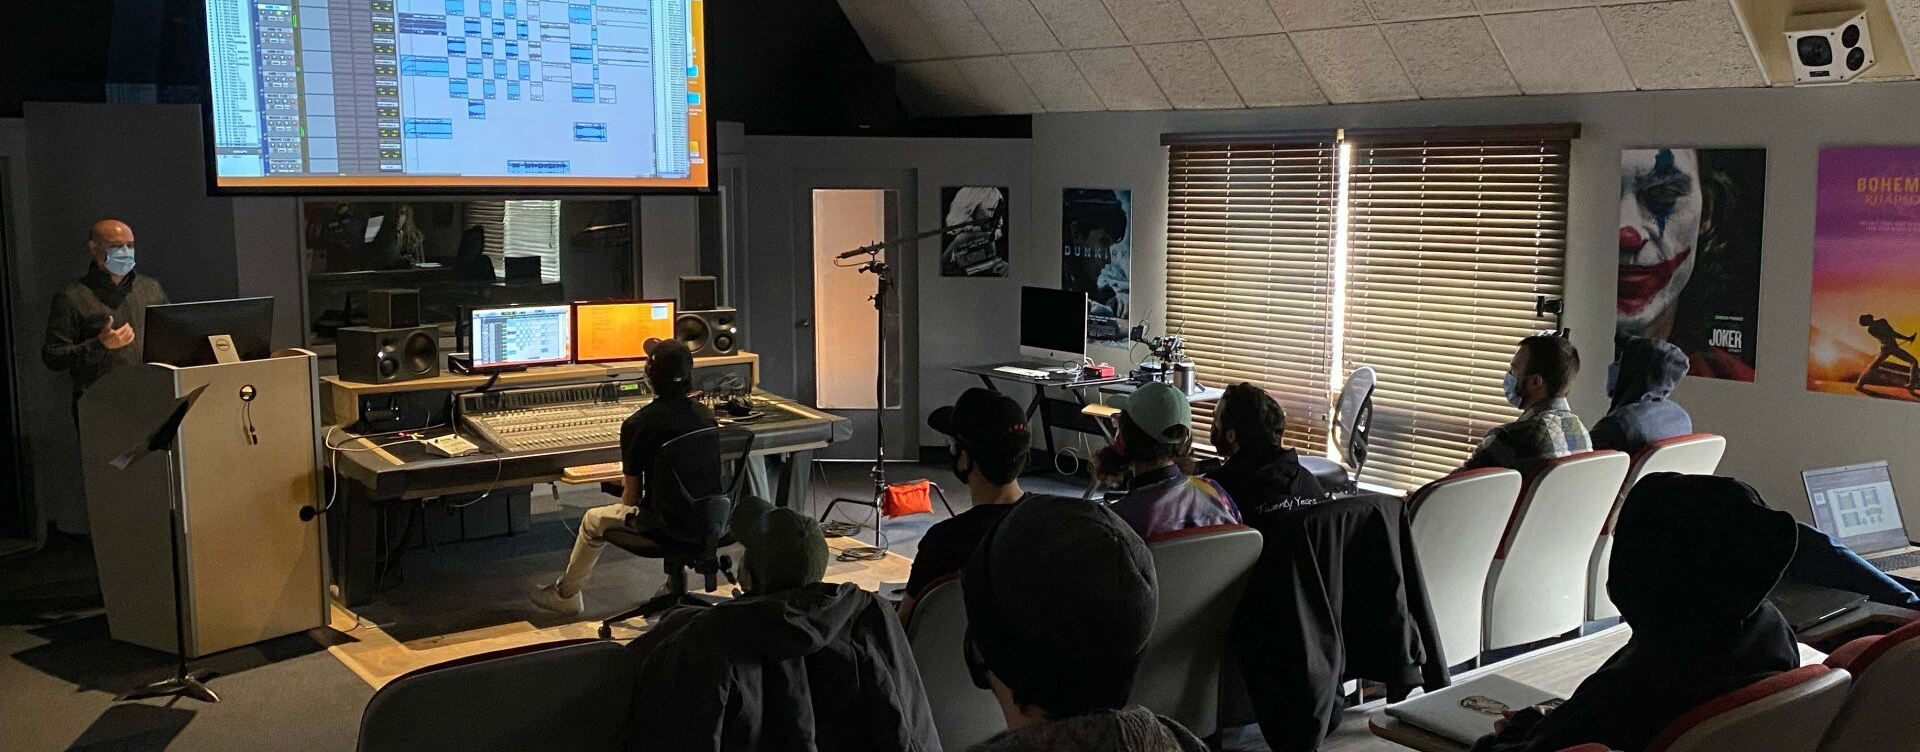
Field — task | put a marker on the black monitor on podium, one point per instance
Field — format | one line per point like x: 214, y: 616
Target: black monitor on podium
x: 180, y: 334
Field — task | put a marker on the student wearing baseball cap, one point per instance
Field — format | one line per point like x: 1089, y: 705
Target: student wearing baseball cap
x: 988, y: 437
x: 1151, y: 455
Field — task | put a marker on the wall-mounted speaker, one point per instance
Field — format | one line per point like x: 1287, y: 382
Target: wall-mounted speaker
x: 711, y: 332
x: 372, y: 355
x: 393, y: 309
x: 699, y: 293
x: 1829, y: 48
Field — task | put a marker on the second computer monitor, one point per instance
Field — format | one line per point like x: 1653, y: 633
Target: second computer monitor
x: 623, y: 330
x: 522, y: 336
x: 1053, y: 324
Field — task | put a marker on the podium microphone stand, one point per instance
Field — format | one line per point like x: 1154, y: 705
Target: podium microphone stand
x: 183, y: 683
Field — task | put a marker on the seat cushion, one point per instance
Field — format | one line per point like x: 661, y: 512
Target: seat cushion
x: 640, y: 543
x: 1332, y: 475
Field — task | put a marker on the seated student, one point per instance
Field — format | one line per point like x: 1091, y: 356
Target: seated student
x: 990, y: 442
x: 1259, y: 474
x: 672, y: 413
x: 1156, y: 431
x: 793, y: 663
x: 1537, y: 382
x: 1061, y: 599
x: 1641, y: 382
x: 1693, y: 559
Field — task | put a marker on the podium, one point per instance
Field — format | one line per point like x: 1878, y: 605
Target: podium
x: 247, y: 460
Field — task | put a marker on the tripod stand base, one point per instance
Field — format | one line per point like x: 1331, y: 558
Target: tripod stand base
x: 189, y: 685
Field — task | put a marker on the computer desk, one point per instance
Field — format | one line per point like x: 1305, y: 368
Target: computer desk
x: 1866, y: 619
x: 1068, y: 412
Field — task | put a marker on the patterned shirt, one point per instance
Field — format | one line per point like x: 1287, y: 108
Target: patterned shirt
x: 1548, y: 431
x: 1164, y: 500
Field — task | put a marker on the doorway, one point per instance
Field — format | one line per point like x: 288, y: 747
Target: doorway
x: 19, y: 520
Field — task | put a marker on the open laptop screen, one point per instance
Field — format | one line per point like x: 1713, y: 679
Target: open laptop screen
x: 1855, y: 505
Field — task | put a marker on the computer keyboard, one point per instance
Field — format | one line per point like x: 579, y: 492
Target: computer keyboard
x: 1031, y: 373
x: 1907, y: 560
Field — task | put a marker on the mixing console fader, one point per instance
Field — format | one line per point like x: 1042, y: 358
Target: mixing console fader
x: 556, y: 417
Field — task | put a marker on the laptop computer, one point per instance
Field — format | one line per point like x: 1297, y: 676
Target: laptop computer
x: 1807, y: 606
x: 1855, y: 504
x: 1467, y: 711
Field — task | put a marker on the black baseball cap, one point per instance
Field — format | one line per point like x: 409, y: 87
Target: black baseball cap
x: 981, y: 415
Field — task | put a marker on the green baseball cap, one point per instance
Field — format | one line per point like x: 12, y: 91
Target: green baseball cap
x: 1162, y: 411
x: 785, y: 549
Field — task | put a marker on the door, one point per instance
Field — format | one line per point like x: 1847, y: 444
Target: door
x: 18, y: 520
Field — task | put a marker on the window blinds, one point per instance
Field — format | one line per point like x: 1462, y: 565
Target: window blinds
x: 1448, y: 245
x: 520, y: 228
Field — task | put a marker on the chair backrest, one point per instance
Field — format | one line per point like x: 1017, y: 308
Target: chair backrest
x: 1787, y: 712
x: 1353, y: 418
x: 1537, y: 587
x: 567, y: 697
x: 693, y: 461
x: 1880, y: 706
x: 1201, y: 572
x: 1692, y: 454
x: 964, y: 715
x: 1457, y: 525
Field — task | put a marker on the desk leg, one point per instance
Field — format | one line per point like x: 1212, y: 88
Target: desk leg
x: 796, y: 482
x: 353, y: 527
x: 1046, y: 424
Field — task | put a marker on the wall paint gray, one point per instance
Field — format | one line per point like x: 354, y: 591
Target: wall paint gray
x: 1774, y: 427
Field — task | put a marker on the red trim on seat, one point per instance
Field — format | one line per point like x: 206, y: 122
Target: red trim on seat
x: 1858, y: 655
x: 1531, y: 483
x: 1633, y: 471
x: 1193, y: 531
x: 1664, y: 443
x: 1731, y: 701
x: 1458, y: 475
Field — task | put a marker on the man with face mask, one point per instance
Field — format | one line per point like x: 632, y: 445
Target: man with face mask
x: 1538, y: 380
x: 98, y: 321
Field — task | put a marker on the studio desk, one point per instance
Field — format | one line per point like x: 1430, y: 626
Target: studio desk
x: 531, y: 427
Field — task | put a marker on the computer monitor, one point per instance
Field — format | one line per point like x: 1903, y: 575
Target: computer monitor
x: 520, y: 336
x: 1855, y: 504
x: 607, y: 332
x: 1053, y: 324
x: 177, y: 332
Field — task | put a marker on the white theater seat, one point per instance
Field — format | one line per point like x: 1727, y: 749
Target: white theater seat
x: 964, y: 715
x: 1880, y: 710
x: 1692, y: 454
x: 1537, y: 587
x: 1201, y: 572
x: 1457, y: 524
x: 1787, y: 712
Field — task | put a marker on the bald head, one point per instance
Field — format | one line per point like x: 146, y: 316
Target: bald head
x: 108, y: 235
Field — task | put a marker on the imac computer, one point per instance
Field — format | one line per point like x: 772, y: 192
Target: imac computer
x: 178, y: 334
x: 521, y: 336
x: 1053, y: 325
x: 608, y: 332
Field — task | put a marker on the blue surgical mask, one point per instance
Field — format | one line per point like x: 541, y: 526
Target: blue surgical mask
x: 1613, y: 377
x: 119, y: 260
x: 1512, y: 387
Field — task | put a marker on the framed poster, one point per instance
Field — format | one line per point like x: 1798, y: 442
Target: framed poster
x: 1690, y: 228
x: 984, y: 249
x: 1097, y: 257
x: 1866, y: 274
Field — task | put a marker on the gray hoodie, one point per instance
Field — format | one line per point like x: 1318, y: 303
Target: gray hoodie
x: 1643, y: 410
x: 1134, y: 729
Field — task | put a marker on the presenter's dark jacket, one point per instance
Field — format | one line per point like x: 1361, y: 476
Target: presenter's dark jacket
x: 817, y: 668
x: 81, y: 308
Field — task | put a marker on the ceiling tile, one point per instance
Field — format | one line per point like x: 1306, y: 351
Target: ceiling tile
x: 1015, y: 25
x: 1189, y: 75
x: 936, y: 87
x: 1149, y: 21
x: 1907, y: 15
x: 1056, y: 81
x: 1409, y: 10
x: 1121, y: 80
x: 1218, y: 19
x: 1451, y: 57
x: 891, y: 30
x: 1691, y: 44
x: 999, y: 86
x: 1299, y: 15
x: 1560, y: 51
x: 1509, y: 6
x: 1080, y: 24
x: 954, y: 24
x: 1354, y: 64
x: 1267, y: 71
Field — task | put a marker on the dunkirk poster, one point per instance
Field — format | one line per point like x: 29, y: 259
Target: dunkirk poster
x: 1097, y: 257
x: 1690, y: 227
x: 1866, y: 274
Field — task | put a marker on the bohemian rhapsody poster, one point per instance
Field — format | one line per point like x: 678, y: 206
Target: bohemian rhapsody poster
x: 1866, y: 274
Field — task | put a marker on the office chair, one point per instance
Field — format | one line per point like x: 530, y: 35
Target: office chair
x: 1352, y: 424
x: 697, y: 519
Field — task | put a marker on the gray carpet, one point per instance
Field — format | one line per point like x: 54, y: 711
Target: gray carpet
x: 61, y: 670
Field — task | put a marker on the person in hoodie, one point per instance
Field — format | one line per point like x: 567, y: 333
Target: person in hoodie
x: 792, y: 664
x: 1693, y: 560
x: 1259, y: 475
x: 1641, y: 382
x: 1060, y: 598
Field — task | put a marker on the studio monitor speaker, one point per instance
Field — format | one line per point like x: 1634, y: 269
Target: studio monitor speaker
x: 393, y: 309
x: 1829, y: 48
x: 699, y: 293
x: 372, y: 355
x: 712, y: 332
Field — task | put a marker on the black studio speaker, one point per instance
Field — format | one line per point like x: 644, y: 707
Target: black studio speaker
x: 699, y: 293
x: 372, y: 355
x: 713, y: 332
x: 393, y: 309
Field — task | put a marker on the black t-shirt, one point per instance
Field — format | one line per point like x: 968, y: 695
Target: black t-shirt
x: 660, y: 421
x: 947, y: 545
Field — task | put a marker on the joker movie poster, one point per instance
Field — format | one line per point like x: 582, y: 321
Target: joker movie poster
x: 1690, y: 224
x: 1097, y: 257
x: 982, y: 250
x: 1866, y: 274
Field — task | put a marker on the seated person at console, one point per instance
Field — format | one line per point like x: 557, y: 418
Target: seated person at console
x: 1259, y: 474
x: 793, y: 663
x: 1151, y: 454
x: 1641, y: 382
x: 988, y: 435
x: 672, y: 413
x: 1693, y: 559
x: 1537, y: 382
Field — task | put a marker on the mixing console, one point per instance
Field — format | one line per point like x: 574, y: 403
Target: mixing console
x: 545, y: 418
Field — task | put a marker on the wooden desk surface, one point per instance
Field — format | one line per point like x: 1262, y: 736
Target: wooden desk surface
x: 341, y: 397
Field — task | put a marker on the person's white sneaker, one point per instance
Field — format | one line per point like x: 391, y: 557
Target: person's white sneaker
x: 548, y: 597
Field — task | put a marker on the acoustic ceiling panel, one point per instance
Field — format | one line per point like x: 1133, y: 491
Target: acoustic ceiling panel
x: 892, y: 30
x: 1190, y: 76
x: 1411, y: 10
x: 1150, y: 21
x: 1120, y: 79
x: 1451, y: 57
x: 1560, y: 51
x: 1354, y: 65
x: 938, y: 88
x: 1015, y: 25
x: 1219, y: 19
x: 1509, y: 6
x: 1267, y: 71
x: 1300, y: 15
x: 1056, y: 81
x: 999, y: 87
x: 1689, y: 44
x: 1080, y: 24
x: 958, y: 30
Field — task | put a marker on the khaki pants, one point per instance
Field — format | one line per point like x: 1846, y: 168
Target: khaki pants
x: 593, y: 537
